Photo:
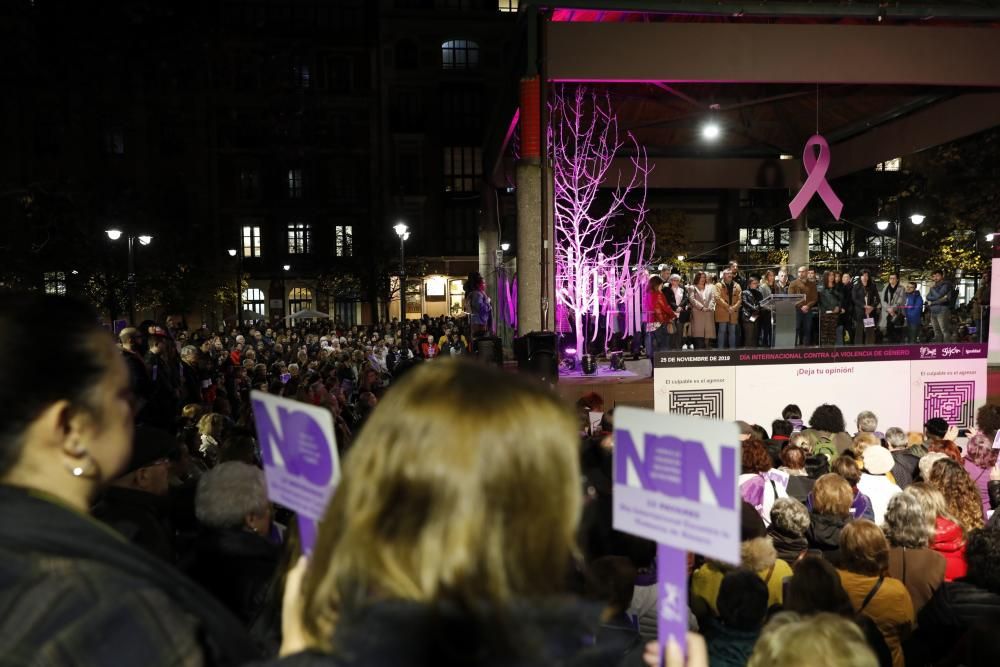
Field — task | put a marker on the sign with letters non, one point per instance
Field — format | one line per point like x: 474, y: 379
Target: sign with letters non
x: 676, y: 482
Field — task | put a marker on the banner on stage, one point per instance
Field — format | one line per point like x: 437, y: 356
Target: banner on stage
x: 675, y: 482
x: 908, y: 385
x: 299, y: 451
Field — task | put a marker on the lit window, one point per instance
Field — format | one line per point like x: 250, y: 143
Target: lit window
x: 344, y: 240
x: 299, y: 298
x: 459, y: 54
x: 251, y: 241
x: 298, y: 238
x: 55, y: 282
x: 463, y: 165
x: 114, y: 141
x: 295, y: 184
x: 507, y: 5
x: 890, y: 165
x: 253, y: 299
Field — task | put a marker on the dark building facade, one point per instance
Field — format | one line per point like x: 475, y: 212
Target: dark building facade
x: 293, y: 132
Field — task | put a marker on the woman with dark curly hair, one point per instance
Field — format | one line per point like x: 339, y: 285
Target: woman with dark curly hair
x: 755, y: 487
x: 826, y: 432
x: 988, y: 420
x: 960, y: 494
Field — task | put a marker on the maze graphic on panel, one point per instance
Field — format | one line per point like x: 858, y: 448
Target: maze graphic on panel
x: 951, y: 401
x: 697, y: 402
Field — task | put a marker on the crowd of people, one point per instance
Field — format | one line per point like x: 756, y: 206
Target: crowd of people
x: 470, y: 527
x: 836, y: 308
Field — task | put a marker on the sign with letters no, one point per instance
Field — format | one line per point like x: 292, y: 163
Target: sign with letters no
x: 299, y: 451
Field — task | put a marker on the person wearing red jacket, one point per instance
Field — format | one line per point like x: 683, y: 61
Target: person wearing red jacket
x: 659, y: 315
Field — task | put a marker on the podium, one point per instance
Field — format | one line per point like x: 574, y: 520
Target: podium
x: 783, y: 306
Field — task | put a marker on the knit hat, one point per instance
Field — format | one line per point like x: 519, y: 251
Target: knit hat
x: 877, y: 460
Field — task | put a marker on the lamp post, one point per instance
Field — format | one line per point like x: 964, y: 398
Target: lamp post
x: 883, y: 225
x: 233, y: 252
x: 402, y: 231
x: 143, y: 239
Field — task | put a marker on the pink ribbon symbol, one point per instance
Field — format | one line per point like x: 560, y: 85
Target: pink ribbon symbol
x: 816, y: 182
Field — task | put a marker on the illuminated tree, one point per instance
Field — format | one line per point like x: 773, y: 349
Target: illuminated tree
x: 602, y: 238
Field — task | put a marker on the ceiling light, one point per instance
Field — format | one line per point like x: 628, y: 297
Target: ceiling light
x: 786, y: 156
x: 711, y: 130
x: 882, y: 225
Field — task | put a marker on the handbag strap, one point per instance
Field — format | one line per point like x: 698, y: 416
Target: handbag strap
x: 872, y: 592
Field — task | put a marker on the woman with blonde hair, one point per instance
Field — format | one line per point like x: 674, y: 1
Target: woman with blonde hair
x: 702, y: 297
x: 452, y: 531
x: 947, y: 536
x: 822, y: 640
x: 830, y: 511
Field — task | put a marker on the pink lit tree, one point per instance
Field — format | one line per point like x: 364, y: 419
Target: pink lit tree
x: 602, y: 238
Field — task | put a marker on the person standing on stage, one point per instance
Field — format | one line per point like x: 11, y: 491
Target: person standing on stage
x: 728, y: 297
x: 701, y: 296
x: 939, y: 300
x: 767, y: 288
x: 866, y: 309
x: 847, y: 304
x: 658, y: 317
x: 803, y: 314
x: 831, y: 333
x: 680, y: 303
x: 914, y: 308
x: 893, y: 299
x: 750, y: 312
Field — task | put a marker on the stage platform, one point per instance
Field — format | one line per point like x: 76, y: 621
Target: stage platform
x: 628, y: 388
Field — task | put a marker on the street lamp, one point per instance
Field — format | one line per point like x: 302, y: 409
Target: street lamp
x: 402, y: 231
x: 882, y: 225
x: 144, y: 239
x: 916, y: 218
x: 233, y: 252
x: 505, y: 247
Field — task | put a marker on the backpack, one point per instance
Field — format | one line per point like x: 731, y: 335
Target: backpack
x: 824, y: 445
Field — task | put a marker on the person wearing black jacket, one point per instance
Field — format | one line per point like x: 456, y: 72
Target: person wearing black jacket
x: 680, y: 303
x: 866, y: 307
x: 750, y: 312
x: 72, y: 592
x: 847, y: 305
x: 944, y: 621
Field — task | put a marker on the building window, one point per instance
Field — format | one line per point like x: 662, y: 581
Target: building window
x: 344, y: 235
x: 461, y: 231
x: 54, y: 282
x: 301, y: 75
x: 463, y: 165
x: 299, y: 298
x: 114, y: 141
x: 890, y: 165
x: 251, y: 241
x: 406, y: 55
x: 253, y: 299
x: 298, y: 238
x: 462, y: 112
x: 295, y: 184
x: 249, y: 184
x: 459, y: 54
x: 507, y: 6
x: 407, y: 110
x: 340, y: 74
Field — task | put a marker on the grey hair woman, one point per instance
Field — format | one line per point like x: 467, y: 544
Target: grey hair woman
x: 234, y: 495
x: 896, y: 438
x: 920, y: 568
x: 789, y: 522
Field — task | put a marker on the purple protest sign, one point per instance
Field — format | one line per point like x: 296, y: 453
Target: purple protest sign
x: 299, y: 452
x: 675, y: 481
x: 816, y: 182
